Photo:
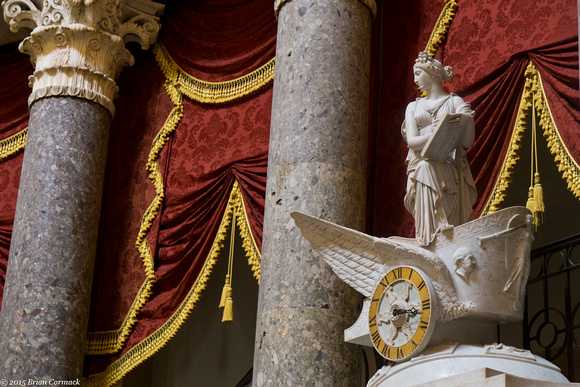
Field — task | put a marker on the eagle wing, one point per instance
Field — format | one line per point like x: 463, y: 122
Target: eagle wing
x: 359, y: 259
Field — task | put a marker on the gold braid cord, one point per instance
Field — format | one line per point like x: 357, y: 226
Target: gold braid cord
x: 161, y: 336
x: 570, y: 170
x: 441, y: 27
x: 113, y: 341
x: 215, y: 92
x: 13, y: 144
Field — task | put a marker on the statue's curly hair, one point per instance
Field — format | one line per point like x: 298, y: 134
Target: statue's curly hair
x: 433, y: 67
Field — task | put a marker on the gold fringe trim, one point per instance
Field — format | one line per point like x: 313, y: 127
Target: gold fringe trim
x: 442, y: 25
x: 564, y: 161
x: 113, y: 341
x: 215, y: 92
x: 160, y: 337
x: 248, y: 241
x: 511, y: 157
x: 570, y: 170
x: 13, y: 144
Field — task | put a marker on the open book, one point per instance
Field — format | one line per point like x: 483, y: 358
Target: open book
x: 445, y: 138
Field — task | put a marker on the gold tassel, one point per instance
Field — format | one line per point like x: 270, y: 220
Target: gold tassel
x: 226, y: 301
x: 531, y: 203
x: 227, y: 287
x: 538, y: 193
x: 228, y: 315
x: 539, y: 199
x: 535, y: 201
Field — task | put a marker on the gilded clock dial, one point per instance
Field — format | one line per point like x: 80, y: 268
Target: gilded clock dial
x: 400, y: 315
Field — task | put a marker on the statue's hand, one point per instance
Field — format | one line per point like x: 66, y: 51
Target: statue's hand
x: 455, y: 121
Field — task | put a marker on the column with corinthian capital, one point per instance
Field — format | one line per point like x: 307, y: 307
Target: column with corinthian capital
x: 317, y: 165
x: 78, y: 49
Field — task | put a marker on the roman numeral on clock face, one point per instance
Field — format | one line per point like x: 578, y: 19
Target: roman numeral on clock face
x: 386, y: 350
x: 398, y: 272
x: 376, y: 337
x: 384, y: 282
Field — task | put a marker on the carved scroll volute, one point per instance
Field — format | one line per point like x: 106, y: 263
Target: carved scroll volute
x: 78, y: 46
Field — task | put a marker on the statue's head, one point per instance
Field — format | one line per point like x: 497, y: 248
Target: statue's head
x: 433, y: 67
x: 464, y: 262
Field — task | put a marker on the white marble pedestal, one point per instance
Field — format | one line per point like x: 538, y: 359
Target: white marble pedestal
x: 470, y: 365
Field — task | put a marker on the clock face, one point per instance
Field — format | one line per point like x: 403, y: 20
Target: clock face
x: 402, y: 313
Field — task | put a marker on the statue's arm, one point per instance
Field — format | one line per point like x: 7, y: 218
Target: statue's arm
x: 469, y: 134
x: 414, y: 139
x: 464, y: 108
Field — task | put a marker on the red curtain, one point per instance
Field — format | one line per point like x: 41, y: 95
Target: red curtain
x: 212, y: 146
x: 220, y: 40
x: 210, y: 149
x: 489, y: 45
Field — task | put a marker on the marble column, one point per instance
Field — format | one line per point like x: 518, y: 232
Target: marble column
x: 317, y: 165
x: 77, y: 52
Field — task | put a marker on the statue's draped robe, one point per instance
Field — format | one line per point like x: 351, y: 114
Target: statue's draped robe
x: 438, y: 193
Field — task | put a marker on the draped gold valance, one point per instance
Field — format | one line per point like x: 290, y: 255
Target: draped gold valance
x: 213, y: 92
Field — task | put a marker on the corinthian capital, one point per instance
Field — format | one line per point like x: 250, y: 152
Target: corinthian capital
x: 78, y: 46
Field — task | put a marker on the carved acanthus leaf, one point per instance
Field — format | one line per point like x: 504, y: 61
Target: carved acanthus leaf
x: 20, y: 14
x: 137, y: 21
x: 78, y: 46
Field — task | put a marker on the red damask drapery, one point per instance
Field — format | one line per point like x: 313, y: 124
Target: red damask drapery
x: 207, y: 151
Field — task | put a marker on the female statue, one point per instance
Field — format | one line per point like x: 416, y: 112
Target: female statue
x: 440, y: 191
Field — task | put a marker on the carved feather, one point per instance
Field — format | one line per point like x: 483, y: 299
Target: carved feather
x: 351, y: 254
x: 359, y: 259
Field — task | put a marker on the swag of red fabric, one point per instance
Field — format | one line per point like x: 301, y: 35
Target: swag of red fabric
x: 220, y: 40
x: 489, y: 46
x: 496, y: 105
x: 212, y: 146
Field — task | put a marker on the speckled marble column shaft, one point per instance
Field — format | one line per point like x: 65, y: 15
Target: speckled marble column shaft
x: 317, y: 165
x: 45, y: 309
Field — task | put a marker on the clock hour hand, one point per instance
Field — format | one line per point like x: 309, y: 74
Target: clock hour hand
x: 413, y: 311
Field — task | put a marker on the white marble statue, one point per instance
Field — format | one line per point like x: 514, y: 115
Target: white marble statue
x: 439, y: 194
x: 432, y: 303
